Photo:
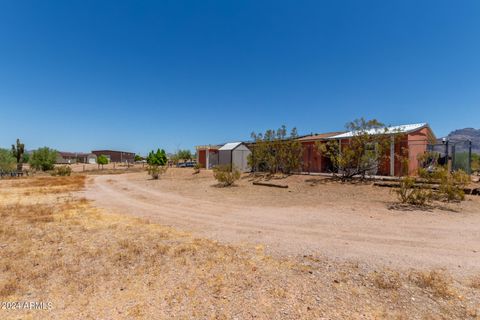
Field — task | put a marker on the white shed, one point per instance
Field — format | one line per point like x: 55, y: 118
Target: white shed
x: 235, y: 154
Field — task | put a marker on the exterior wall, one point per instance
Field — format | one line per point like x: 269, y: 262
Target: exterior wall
x: 212, y: 158
x: 116, y: 156
x: 412, y: 145
x: 417, y: 145
x: 240, y: 158
x: 224, y: 157
x: 212, y: 155
x: 202, y: 158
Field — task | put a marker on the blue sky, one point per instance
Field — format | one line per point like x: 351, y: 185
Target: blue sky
x: 137, y: 75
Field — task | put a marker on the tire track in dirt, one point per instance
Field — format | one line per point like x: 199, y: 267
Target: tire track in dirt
x: 291, y: 231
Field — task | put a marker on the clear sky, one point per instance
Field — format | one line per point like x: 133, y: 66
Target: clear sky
x: 136, y: 75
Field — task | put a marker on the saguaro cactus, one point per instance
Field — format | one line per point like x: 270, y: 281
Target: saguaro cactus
x: 18, y: 151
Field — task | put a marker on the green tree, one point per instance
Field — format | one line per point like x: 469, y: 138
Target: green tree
x: 157, y: 163
x: 43, y: 159
x: 102, y: 160
x: 7, y: 160
x: 184, y: 155
x: 18, y: 150
x: 362, y: 153
x: 138, y: 158
x: 275, y: 151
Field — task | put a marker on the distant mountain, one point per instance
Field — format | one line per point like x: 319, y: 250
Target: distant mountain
x: 460, y: 137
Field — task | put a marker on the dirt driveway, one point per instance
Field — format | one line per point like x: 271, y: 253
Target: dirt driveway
x: 341, y: 222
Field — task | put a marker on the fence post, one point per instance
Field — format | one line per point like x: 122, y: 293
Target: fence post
x: 453, y: 164
x: 469, y: 157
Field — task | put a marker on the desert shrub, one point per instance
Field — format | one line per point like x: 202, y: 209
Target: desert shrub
x: 409, y: 193
x: 155, y: 171
x: 7, y: 160
x: 276, y: 152
x: 387, y: 279
x: 226, y: 174
x: 436, y: 281
x: 157, y: 163
x: 363, y: 152
x: 451, y: 184
x: 184, y: 155
x: 43, y: 159
x: 196, y: 168
x: 62, y: 171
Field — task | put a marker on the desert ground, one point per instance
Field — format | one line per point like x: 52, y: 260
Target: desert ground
x: 122, y: 246
x: 314, y: 216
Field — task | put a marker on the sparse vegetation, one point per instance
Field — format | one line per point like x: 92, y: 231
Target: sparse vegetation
x: 387, y: 279
x: 102, y: 160
x: 226, y: 175
x: 55, y: 246
x: 43, y: 159
x: 18, y: 151
x: 182, y: 155
x: 157, y: 163
x: 276, y: 152
x: 410, y: 193
x: 7, y: 161
x: 363, y: 152
x: 436, y: 281
x: 196, y: 168
x: 452, y: 184
x: 62, y: 171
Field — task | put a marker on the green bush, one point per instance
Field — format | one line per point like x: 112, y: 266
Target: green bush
x: 43, y: 159
x: 157, y: 163
x: 102, y: 160
x: 409, y: 193
x: 226, y: 174
x: 452, y: 185
x: 7, y: 160
x: 62, y: 171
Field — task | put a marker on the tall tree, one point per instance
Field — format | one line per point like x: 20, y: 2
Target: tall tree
x: 18, y: 150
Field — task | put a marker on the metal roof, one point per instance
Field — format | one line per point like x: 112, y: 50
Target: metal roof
x: 319, y: 136
x: 230, y: 146
x: 404, y: 128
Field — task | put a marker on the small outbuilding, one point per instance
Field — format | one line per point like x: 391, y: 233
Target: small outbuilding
x: 234, y: 154
x: 207, y: 156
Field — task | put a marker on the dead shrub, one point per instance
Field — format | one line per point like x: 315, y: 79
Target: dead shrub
x: 386, y: 279
x: 475, y: 282
x: 226, y: 175
x: 62, y: 171
x: 436, y: 281
x: 8, y: 288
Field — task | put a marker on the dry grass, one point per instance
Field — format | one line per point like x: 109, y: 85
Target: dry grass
x: 387, y: 279
x: 436, y: 281
x: 90, y: 264
x: 475, y: 282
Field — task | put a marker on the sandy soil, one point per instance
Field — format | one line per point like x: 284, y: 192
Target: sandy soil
x: 311, y: 217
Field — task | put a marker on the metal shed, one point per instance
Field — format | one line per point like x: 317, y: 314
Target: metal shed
x: 235, y: 154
